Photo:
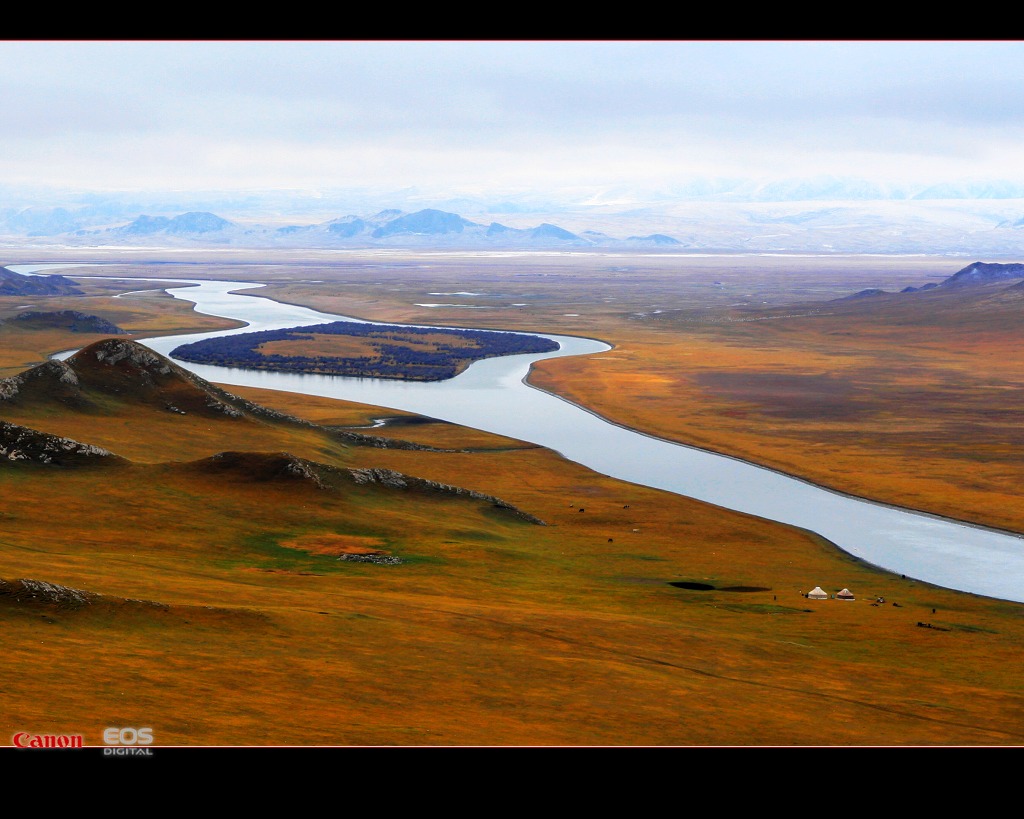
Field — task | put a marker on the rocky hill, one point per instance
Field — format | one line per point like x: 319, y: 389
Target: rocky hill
x: 131, y: 374
x: 126, y: 372
x: 17, y: 284
x: 71, y: 320
x: 116, y: 368
x: 984, y: 273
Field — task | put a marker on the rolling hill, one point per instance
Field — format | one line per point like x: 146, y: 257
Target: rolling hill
x: 238, y: 575
x: 16, y: 284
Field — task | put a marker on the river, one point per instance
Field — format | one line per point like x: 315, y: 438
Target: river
x: 493, y: 395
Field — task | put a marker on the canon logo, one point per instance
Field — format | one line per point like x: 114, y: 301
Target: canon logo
x: 23, y: 739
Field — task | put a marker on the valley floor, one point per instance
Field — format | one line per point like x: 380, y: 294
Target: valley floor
x: 647, y: 619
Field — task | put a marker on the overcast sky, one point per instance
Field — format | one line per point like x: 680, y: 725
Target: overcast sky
x: 475, y: 116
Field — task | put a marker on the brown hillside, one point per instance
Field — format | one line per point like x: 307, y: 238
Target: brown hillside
x: 104, y: 392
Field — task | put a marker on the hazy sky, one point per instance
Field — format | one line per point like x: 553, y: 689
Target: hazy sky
x: 472, y: 116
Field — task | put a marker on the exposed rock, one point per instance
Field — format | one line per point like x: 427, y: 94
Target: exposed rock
x: 396, y: 480
x: 383, y: 560
x: 39, y: 592
x: 18, y: 443
x: 359, y: 439
x: 113, y: 351
x: 9, y: 387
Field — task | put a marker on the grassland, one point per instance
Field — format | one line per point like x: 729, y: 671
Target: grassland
x: 225, y: 618
x: 909, y: 399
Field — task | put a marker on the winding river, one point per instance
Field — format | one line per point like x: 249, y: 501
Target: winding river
x: 493, y: 395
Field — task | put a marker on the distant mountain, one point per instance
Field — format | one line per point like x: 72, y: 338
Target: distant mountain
x: 498, y: 229
x: 428, y: 228
x: 348, y: 227
x: 983, y: 273
x: 863, y: 294
x: 976, y: 274
x: 429, y: 222
x: 827, y: 219
x: 972, y: 190
x: 16, y: 284
x: 71, y: 320
x: 819, y: 188
x: 184, y: 225
x: 546, y: 231
x: 655, y: 239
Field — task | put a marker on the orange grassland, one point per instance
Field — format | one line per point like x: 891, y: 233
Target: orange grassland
x: 225, y: 618
x: 911, y: 399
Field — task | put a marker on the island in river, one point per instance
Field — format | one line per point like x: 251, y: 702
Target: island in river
x: 359, y: 349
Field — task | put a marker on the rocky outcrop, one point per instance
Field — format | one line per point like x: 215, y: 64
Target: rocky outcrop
x: 113, y: 352
x: 380, y: 560
x: 18, y: 443
x: 50, y: 381
x: 41, y: 593
x: 263, y: 466
x: 396, y: 480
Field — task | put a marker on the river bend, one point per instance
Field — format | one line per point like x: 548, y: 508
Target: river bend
x: 493, y: 395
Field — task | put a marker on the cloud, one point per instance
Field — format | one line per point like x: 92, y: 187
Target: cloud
x: 296, y: 114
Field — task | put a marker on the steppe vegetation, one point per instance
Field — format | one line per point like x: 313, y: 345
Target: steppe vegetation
x: 213, y: 605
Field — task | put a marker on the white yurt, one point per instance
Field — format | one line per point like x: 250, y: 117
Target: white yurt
x: 817, y: 593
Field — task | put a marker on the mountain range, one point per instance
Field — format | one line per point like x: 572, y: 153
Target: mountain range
x: 424, y: 228
x: 782, y: 222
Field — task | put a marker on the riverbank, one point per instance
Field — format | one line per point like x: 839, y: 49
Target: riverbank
x: 480, y: 397
x: 725, y: 453
x: 635, y: 617
x: 912, y: 422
